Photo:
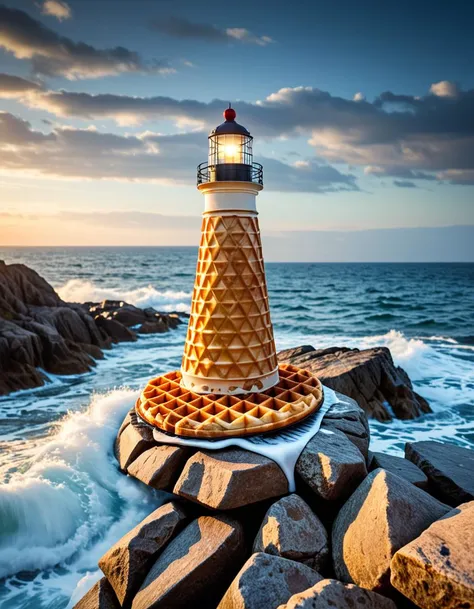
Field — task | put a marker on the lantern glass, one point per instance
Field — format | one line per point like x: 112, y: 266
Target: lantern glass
x: 230, y: 148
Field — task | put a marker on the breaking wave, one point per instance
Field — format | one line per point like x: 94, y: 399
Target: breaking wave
x: 80, y: 290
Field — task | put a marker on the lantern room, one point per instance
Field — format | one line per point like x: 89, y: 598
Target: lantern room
x: 230, y: 154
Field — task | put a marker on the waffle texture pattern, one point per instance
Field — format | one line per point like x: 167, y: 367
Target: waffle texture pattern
x: 165, y: 404
x: 230, y: 334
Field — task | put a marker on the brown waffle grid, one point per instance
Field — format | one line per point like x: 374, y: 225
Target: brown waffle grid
x: 165, y: 404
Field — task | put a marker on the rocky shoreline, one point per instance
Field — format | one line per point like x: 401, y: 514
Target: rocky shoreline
x: 362, y: 531
x: 40, y: 333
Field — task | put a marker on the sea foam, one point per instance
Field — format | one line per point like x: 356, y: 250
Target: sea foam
x: 79, y: 290
x: 68, y: 506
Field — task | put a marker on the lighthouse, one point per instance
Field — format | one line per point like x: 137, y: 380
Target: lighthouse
x: 230, y: 383
x: 230, y: 348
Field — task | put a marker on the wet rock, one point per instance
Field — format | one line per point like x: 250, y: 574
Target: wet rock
x: 436, y: 570
x: 135, y: 439
x: 291, y: 529
x: 159, y: 466
x: 381, y: 516
x: 127, y: 562
x: 330, y: 465
x: 449, y: 468
x: 153, y: 327
x: 356, y: 431
x: 129, y: 315
x: 195, y: 567
x: 117, y: 331
x: 401, y: 467
x: 100, y: 596
x: 267, y: 581
x: 369, y: 377
x: 230, y: 478
x: 332, y: 594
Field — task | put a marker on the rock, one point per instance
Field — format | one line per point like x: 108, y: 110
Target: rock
x: 126, y: 563
x: 449, y: 468
x: 100, y: 596
x: 331, y: 466
x: 159, y: 466
x: 135, y: 439
x: 129, y: 315
x: 230, y: 478
x: 369, y: 377
x: 401, y: 467
x: 113, y: 328
x: 436, y: 570
x: 153, y: 327
x: 266, y: 582
x: 195, y: 567
x: 381, y: 516
x: 290, y: 529
x: 355, y: 431
x: 332, y: 594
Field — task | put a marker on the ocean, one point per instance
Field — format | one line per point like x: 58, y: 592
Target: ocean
x: 63, y: 501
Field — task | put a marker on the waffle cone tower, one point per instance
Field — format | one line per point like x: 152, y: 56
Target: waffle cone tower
x: 230, y: 346
x: 230, y: 383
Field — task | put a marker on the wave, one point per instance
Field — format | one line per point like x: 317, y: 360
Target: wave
x: 70, y: 502
x: 80, y: 290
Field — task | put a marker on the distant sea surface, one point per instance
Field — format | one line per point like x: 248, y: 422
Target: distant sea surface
x: 63, y: 502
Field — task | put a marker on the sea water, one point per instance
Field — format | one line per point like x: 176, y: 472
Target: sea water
x: 63, y: 502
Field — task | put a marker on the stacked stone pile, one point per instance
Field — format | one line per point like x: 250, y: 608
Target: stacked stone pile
x: 363, y: 530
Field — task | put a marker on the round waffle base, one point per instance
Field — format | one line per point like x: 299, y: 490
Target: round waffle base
x: 165, y: 404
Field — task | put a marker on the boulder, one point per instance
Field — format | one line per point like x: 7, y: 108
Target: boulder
x: 230, y: 478
x: 381, y: 516
x: 126, y: 563
x: 100, y: 596
x: 290, y: 529
x: 369, y: 377
x: 159, y: 466
x: 129, y: 315
x: 401, y: 467
x: 267, y: 581
x: 330, y: 465
x: 157, y: 326
x: 449, y: 468
x: 332, y: 594
x: 436, y: 570
x: 113, y: 328
x: 135, y: 439
x: 357, y: 431
x: 196, y: 567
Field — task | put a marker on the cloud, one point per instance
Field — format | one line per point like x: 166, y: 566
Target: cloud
x: 179, y: 27
x: 359, y: 97
x: 403, y: 136
x: 12, y: 87
x: 404, y: 184
x: 54, y: 55
x: 67, y: 152
x: 444, y: 88
x: 56, y: 8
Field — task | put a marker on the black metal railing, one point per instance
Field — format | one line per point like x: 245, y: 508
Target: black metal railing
x: 230, y: 172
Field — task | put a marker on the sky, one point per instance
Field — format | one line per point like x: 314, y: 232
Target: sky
x: 362, y: 114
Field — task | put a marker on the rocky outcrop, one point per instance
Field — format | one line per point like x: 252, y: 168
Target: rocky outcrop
x: 381, y: 516
x: 39, y: 332
x: 127, y: 562
x: 436, y: 570
x: 196, y: 567
x: 291, y: 530
x: 230, y: 478
x: 330, y: 465
x: 100, y: 596
x: 267, y: 581
x: 159, y: 466
x: 369, y: 377
x: 332, y: 594
x: 449, y: 468
x: 401, y: 467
